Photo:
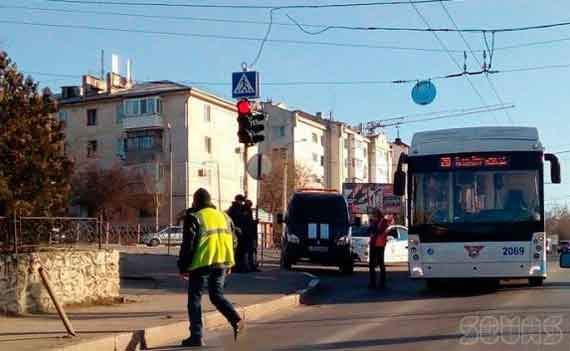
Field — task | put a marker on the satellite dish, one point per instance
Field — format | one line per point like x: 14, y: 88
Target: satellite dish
x: 424, y: 92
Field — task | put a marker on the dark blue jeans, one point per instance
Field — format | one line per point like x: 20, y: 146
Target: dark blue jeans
x: 214, y: 278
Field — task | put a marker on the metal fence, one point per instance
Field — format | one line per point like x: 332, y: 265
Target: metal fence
x: 18, y: 234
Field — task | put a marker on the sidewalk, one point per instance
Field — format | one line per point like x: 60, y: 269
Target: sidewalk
x: 153, y: 282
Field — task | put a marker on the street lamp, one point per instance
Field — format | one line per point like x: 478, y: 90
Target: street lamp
x: 170, y: 187
x: 219, y: 181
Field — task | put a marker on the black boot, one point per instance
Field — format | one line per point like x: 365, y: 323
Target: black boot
x: 193, y: 342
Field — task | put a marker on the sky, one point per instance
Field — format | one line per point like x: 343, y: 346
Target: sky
x: 540, y: 96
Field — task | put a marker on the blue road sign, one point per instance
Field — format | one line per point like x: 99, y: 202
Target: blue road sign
x: 245, y: 84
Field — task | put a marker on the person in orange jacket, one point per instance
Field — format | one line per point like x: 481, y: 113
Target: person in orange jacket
x: 378, y: 238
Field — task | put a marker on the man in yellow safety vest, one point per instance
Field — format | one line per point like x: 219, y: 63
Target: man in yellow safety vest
x: 206, y: 255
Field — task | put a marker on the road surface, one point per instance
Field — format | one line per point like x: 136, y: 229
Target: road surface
x: 407, y: 316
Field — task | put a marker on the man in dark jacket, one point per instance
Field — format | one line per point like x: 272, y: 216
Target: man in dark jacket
x: 206, y: 255
x: 250, y: 237
x: 238, y: 216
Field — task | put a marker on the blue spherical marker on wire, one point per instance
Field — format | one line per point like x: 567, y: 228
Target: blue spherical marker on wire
x: 424, y: 92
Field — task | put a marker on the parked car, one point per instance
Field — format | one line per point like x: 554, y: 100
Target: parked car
x: 317, y: 230
x: 155, y: 239
x: 563, y: 245
x: 396, y: 250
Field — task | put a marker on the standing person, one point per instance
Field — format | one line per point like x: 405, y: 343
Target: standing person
x: 237, y: 214
x: 378, y: 238
x: 251, y: 237
x: 206, y: 255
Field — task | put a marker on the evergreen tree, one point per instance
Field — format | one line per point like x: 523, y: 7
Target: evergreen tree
x: 35, y: 174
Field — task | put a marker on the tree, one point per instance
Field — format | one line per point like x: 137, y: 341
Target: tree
x: 35, y: 174
x: 271, y: 199
x: 153, y: 190
x: 112, y: 193
x: 557, y: 221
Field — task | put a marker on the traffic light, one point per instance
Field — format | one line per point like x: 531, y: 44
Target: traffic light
x: 257, y: 128
x: 248, y: 124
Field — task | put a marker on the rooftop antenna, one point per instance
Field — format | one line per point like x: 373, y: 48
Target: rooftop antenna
x: 102, y: 64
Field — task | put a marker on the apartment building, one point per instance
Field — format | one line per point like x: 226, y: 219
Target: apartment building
x: 334, y: 152
x: 117, y: 121
x: 298, y: 137
x: 397, y: 148
x: 380, y: 159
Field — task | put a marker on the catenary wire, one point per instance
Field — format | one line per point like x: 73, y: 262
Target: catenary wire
x: 318, y: 83
x: 277, y: 23
x: 491, y: 83
x: 244, y: 7
x: 276, y: 41
x: 444, y: 46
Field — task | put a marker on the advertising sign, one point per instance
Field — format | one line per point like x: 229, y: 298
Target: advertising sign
x: 363, y: 197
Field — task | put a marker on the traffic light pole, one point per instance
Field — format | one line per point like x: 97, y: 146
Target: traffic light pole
x: 259, y: 155
x: 245, y: 146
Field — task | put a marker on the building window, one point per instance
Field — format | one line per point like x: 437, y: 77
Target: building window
x: 92, y: 148
x: 315, y: 157
x: 207, y: 113
x: 322, y: 160
x: 62, y: 116
x: 346, y: 143
x: 278, y: 132
x: 92, y: 117
x: 208, y: 144
x: 143, y: 141
x: 139, y: 107
x: 322, y: 140
x: 315, y: 138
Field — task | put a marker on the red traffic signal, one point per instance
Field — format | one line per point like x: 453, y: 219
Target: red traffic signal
x: 243, y: 107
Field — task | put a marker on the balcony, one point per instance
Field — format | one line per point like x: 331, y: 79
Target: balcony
x: 143, y: 122
x: 134, y: 157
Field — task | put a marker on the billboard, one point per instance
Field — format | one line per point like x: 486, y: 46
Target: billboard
x: 363, y: 197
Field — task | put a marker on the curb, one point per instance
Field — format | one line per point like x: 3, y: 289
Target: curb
x: 160, y: 335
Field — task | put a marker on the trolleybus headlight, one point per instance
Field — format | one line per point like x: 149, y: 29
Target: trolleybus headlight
x: 413, y: 250
x: 538, y: 248
x: 415, y: 257
x: 536, y: 256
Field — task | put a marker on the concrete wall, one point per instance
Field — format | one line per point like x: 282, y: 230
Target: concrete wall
x: 77, y: 277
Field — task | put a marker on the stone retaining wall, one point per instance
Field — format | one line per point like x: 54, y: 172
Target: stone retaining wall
x: 77, y: 277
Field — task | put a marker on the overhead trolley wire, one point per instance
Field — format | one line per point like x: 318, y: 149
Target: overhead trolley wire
x: 244, y: 7
x: 483, y: 66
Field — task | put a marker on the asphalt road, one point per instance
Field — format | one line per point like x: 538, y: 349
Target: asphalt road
x: 406, y: 316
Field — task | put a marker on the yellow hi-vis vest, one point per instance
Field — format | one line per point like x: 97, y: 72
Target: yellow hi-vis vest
x: 215, y: 243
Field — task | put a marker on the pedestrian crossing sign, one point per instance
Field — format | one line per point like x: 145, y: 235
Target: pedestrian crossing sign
x: 245, y: 84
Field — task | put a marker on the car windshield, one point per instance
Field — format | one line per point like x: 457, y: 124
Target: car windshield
x: 318, y: 209
x: 476, y: 197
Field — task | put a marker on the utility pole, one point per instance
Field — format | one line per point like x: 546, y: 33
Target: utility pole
x: 171, y: 185
x: 219, y: 186
x: 285, y: 166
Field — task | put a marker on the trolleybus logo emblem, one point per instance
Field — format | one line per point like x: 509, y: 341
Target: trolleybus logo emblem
x: 473, y: 251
